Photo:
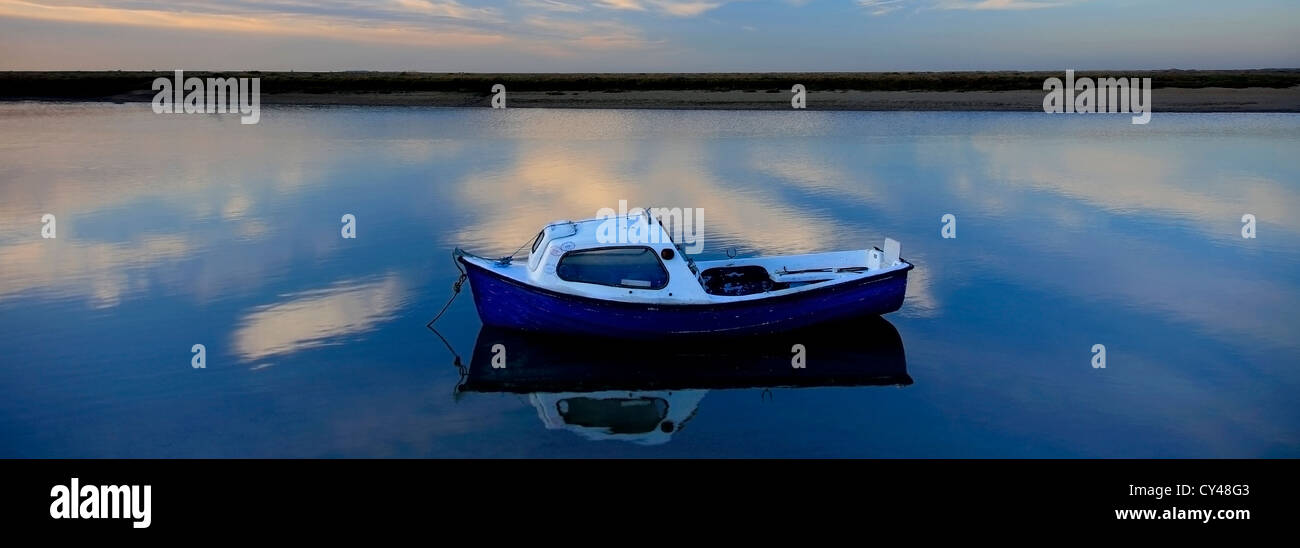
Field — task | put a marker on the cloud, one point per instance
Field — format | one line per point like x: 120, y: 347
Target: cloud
x: 437, y: 25
x: 331, y: 19
x: 103, y: 272
x: 317, y: 318
x: 686, y: 9
x: 551, y: 5
x: 998, y: 4
x: 678, y: 8
x: 628, y: 5
x: 564, y: 181
x: 444, y: 8
x: 563, y: 36
x: 884, y: 7
x: 881, y: 7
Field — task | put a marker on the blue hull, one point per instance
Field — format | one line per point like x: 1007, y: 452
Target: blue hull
x: 504, y: 302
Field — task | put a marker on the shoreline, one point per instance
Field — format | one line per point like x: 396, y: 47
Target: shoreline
x: 1272, y: 90
x: 1164, y: 100
x: 1204, y: 100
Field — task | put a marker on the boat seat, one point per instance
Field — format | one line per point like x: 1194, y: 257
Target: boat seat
x: 735, y: 281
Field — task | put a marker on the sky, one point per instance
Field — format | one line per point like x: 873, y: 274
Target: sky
x: 647, y: 35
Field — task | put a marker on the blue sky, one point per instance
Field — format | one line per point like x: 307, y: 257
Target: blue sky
x: 647, y: 35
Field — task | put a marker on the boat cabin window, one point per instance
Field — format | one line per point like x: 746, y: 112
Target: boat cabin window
x: 538, y: 241
x: 635, y: 267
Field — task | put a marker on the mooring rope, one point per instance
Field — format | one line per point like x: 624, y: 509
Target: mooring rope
x: 506, y: 260
x: 455, y: 291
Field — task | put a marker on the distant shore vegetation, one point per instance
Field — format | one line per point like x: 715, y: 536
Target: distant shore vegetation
x: 103, y: 84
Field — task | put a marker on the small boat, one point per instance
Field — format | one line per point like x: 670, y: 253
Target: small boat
x: 576, y: 280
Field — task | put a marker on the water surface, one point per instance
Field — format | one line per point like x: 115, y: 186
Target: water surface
x: 1071, y: 231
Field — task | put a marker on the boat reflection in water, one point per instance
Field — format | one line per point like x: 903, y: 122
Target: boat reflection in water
x: 645, y: 391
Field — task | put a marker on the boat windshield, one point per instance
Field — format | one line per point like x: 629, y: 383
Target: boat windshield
x: 633, y: 267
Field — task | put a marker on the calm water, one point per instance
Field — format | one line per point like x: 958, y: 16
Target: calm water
x: 1071, y: 231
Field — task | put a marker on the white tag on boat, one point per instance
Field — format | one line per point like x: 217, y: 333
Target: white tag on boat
x: 635, y: 283
x: 892, y: 249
